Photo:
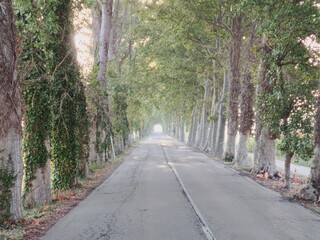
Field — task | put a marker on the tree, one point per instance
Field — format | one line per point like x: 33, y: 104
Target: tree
x: 34, y: 30
x: 68, y: 104
x: 315, y: 167
x: 246, y: 104
x: 10, y: 118
x: 234, y: 92
x: 281, y: 53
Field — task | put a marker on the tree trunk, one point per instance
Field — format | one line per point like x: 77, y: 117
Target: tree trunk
x: 287, y: 170
x: 104, y: 44
x: 315, y: 168
x: 242, y: 160
x: 204, y: 117
x: 40, y: 187
x: 265, y: 145
x: 222, y: 118
x: 192, y: 124
x: 266, y: 153
x: 246, y: 107
x: 182, y: 132
x: 312, y: 188
x: 214, y: 124
x: 96, y: 28
x: 234, y: 88
x: 10, y: 119
x: 208, y: 144
x: 196, y: 125
x: 93, y: 142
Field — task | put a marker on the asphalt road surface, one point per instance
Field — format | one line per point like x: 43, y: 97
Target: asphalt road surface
x: 166, y: 191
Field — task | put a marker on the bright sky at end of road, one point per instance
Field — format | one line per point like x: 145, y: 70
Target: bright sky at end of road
x: 157, y: 128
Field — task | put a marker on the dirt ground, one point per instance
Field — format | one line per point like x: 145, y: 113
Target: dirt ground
x: 298, y: 182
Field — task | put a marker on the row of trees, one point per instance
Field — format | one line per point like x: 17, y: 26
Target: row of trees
x: 222, y: 69
x: 204, y: 69
x: 55, y: 122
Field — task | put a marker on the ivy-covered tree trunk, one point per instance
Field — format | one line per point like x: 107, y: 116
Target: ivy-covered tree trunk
x: 219, y: 145
x: 82, y: 131
x: 36, y: 94
x: 234, y: 91
x: 39, y: 188
x: 36, y: 148
x: 66, y: 138
x: 10, y: 119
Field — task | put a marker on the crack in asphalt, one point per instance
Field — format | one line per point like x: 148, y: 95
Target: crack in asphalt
x: 108, y: 228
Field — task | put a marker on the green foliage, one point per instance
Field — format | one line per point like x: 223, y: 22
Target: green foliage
x: 7, y: 179
x: 53, y: 91
x: 120, y: 124
x: 251, y: 144
x: 288, y: 110
x: 36, y: 93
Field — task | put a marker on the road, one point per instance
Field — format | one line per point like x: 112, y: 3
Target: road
x: 166, y: 191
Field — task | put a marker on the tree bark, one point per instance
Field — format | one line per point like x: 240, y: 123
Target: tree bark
x: 312, y: 188
x: 10, y: 117
x: 234, y: 92
x: 191, y: 131
x: 182, y: 129
x: 204, y: 117
x: 265, y: 140
x: 104, y: 44
x: 287, y: 170
x: 222, y: 118
x: 266, y: 153
x: 209, y: 142
x: 194, y: 125
x: 315, y: 169
x: 96, y: 28
x: 40, y: 187
x: 246, y: 107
